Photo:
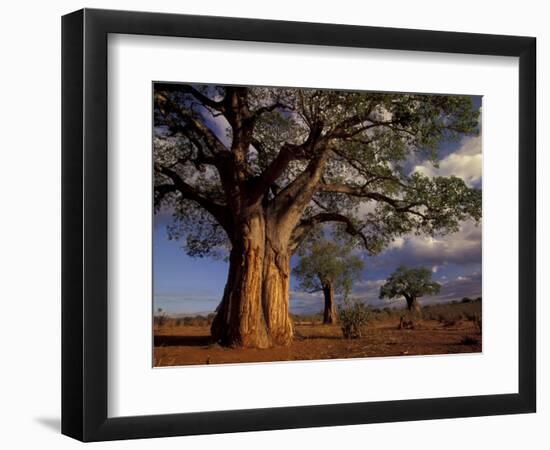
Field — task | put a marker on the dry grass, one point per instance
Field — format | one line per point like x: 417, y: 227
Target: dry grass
x: 443, y: 329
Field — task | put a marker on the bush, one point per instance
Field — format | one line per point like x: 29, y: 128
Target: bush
x: 353, y: 317
x: 160, y: 318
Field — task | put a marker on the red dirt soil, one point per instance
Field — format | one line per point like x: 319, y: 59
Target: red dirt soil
x: 186, y: 344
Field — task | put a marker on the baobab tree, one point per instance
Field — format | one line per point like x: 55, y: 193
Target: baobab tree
x: 254, y: 170
x: 410, y: 284
x: 328, y: 267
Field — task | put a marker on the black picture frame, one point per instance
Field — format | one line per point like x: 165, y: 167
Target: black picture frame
x: 84, y: 224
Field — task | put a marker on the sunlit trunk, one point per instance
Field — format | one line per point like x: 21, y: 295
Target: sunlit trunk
x: 255, y: 311
x: 239, y: 320
x: 276, y: 283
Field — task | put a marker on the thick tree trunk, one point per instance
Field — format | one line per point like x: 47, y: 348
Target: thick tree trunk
x: 281, y: 219
x: 329, y: 316
x: 413, y: 305
x: 254, y: 311
x: 239, y: 320
x: 276, y: 283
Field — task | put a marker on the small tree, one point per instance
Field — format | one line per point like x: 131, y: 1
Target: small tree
x: 410, y: 284
x: 354, y: 317
x: 160, y: 318
x: 328, y: 267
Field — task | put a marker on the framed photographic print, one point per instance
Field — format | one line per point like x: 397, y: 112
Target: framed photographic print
x: 274, y: 224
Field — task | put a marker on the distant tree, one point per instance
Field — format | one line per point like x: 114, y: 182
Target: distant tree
x: 160, y: 318
x: 328, y: 267
x: 410, y: 284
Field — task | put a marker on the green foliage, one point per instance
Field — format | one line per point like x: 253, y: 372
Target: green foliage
x: 323, y: 262
x: 409, y: 283
x: 203, y: 236
x: 353, y: 317
x: 372, y: 136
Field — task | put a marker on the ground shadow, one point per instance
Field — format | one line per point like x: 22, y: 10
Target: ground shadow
x: 52, y: 423
x: 305, y: 337
x: 176, y: 341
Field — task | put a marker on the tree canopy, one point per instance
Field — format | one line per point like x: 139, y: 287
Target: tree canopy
x: 409, y: 283
x: 333, y: 156
x: 325, y: 263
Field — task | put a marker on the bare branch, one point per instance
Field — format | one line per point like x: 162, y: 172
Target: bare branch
x: 306, y: 225
x: 288, y: 153
x: 398, y: 205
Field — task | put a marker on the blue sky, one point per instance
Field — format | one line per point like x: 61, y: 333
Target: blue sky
x: 185, y: 285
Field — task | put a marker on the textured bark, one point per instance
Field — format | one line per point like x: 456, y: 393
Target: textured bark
x: 329, y: 316
x: 254, y: 311
x: 276, y: 279
x: 239, y: 320
x: 282, y: 219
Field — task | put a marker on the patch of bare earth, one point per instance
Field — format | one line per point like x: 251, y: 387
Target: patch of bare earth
x: 188, y: 344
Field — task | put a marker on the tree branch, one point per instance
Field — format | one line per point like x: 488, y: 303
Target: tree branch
x: 162, y: 191
x: 288, y: 153
x: 273, y: 107
x: 306, y: 225
x: 188, y: 89
x: 398, y: 205
x: 220, y: 212
x: 166, y: 105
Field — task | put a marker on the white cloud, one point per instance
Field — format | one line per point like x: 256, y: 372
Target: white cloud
x: 464, y: 163
x: 462, y: 247
x: 397, y: 243
x: 367, y: 208
x: 370, y: 283
x: 306, y: 296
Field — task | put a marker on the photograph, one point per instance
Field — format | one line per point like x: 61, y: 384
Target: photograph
x: 297, y: 224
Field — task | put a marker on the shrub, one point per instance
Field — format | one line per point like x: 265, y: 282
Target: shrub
x: 160, y: 318
x: 353, y: 317
x: 406, y: 324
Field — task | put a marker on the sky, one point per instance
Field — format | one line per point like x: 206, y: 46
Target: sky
x: 186, y: 285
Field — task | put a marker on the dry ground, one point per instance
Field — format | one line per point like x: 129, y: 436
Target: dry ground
x: 177, y: 345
